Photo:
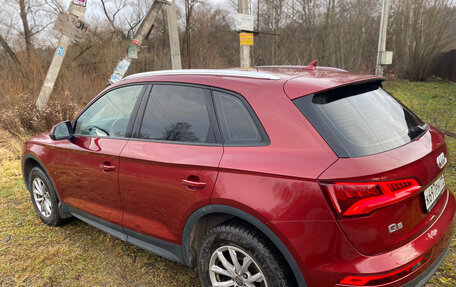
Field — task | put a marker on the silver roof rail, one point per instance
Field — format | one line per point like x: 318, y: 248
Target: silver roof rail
x: 301, y: 67
x: 207, y: 72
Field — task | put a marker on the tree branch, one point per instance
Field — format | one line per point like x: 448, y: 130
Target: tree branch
x: 9, y: 51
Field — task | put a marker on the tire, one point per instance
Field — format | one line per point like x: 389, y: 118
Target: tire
x: 44, y: 197
x: 221, y: 242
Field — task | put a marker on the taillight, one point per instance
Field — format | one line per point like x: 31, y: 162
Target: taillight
x: 375, y: 280
x: 357, y: 198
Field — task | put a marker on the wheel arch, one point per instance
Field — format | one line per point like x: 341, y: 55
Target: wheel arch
x: 217, y: 214
x: 30, y: 161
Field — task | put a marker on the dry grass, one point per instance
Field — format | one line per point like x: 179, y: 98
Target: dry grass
x: 32, y: 254
x: 434, y: 102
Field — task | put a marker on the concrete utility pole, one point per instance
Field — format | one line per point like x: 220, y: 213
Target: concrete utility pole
x: 382, y: 37
x: 57, y: 61
x: 174, y: 37
x: 244, y: 49
x: 146, y: 25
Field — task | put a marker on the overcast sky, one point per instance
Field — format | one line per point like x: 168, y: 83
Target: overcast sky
x: 94, y: 8
x: 10, y: 26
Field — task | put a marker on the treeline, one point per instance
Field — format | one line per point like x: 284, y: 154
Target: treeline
x: 344, y: 33
x: 340, y: 33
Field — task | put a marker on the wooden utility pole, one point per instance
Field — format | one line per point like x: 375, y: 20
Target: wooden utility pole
x: 57, y: 61
x: 244, y: 49
x: 146, y: 25
x: 382, y: 37
x: 174, y: 37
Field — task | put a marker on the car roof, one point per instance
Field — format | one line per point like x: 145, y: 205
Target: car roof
x: 297, y: 81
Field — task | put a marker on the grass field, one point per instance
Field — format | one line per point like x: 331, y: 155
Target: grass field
x: 32, y: 254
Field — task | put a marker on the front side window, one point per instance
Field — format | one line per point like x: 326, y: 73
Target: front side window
x: 178, y: 114
x: 110, y: 114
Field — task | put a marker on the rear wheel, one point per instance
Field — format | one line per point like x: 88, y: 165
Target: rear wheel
x: 44, y: 197
x: 235, y: 256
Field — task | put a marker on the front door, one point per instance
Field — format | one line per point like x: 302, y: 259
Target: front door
x: 88, y: 164
x: 170, y: 168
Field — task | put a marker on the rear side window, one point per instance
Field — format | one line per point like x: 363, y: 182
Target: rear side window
x: 177, y: 113
x: 236, y: 122
x: 360, y: 120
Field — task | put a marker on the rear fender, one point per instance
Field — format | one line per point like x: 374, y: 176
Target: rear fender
x: 224, y: 209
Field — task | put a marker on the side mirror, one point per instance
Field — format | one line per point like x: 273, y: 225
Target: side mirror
x: 61, y: 131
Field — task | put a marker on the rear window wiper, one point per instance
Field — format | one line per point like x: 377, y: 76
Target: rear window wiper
x: 416, y: 131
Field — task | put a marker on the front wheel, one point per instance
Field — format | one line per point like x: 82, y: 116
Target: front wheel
x: 234, y: 255
x: 44, y: 197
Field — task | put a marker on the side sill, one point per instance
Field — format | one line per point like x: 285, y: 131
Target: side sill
x: 159, y: 247
x: 101, y: 224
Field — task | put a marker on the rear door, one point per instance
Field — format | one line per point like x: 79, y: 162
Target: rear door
x: 169, y: 167
x: 388, y: 165
x: 88, y: 164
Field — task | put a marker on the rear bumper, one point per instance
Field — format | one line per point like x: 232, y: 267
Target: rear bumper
x: 422, y: 274
x: 424, y: 277
x: 326, y: 256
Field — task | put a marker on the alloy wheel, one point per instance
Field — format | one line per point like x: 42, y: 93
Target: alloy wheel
x: 42, y: 198
x: 231, y: 266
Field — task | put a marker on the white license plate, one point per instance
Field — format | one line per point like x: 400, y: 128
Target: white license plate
x: 433, y: 192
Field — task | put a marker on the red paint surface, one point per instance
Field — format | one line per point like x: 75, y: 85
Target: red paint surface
x: 415, y: 160
x: 326, y: 256
x: 155, y: 202
x: 82, y: 183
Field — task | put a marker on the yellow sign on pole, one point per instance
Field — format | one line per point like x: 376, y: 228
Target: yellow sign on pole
x: 246, y: 39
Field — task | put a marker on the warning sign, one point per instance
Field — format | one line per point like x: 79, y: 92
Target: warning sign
x: 71, y: 26
x: 244, y: 22
x: 246, y: 39
x: 80, y: 2
x: 132, y: 51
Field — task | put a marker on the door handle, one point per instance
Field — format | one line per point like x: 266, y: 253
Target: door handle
x: 190, y: 184
x: 107, y: 167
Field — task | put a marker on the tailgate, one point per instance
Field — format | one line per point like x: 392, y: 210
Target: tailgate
x: 390, y: 226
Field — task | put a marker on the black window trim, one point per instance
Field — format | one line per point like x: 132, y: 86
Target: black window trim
x: 137, y: 115
x: 265, y: 141
x: 210, y: 108
x: 134, y: 113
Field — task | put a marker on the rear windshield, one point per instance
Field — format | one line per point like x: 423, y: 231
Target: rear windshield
x: 360, y: 120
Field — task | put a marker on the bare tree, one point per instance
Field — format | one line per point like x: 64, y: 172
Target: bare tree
x: 27, y: 31
x: 55, y: 6
x: 21, y: 21
x: 124, y: 16
x: 189, y: 7
x: 111, y: 17
x: 421, y: 29
x: 34, y: 20
x: 9, y: 51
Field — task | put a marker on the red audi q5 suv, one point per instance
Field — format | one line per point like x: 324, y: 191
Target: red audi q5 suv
x: 276, y: 176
